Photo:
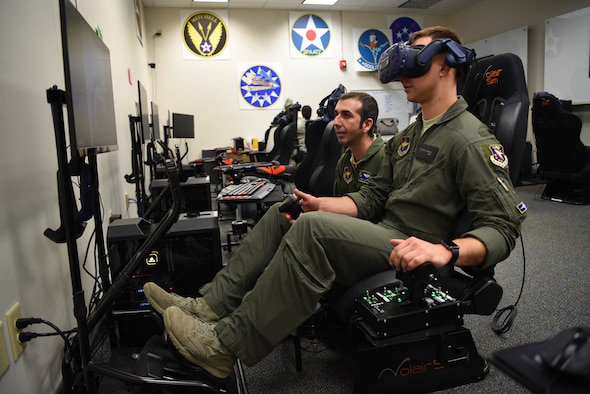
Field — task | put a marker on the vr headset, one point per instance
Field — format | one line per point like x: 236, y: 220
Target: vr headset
x: 402, y: 60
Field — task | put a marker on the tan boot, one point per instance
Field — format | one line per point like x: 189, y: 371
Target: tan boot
x: 196, y: 341
x: 160, y: 300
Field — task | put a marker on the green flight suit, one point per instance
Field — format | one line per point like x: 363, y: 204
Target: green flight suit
x: 350, y: 177
x: 275, y: 279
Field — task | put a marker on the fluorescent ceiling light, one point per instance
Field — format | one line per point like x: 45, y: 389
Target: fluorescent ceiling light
x: 210, y: 1
x: 320, y: 2
x: 419, y: 4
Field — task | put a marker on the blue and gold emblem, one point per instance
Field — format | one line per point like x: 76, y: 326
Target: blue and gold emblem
x: 404, y: 146
x: 260, y: 86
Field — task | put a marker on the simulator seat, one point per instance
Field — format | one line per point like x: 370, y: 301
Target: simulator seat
x: 276, y: 167
x: 415, y: 320
x: 285, y: 136
x: 316, y: 173
x: 495, y: 89
x: 564, y: 161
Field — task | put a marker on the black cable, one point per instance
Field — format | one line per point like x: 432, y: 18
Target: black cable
x: 27, y: 336
x: 504, y: 318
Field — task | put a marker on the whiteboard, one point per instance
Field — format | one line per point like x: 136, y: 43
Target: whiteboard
x: 513, y: 41
x: 393, y: 104
x: 567, y: 56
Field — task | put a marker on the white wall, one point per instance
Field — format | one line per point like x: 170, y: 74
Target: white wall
x: 34, y: 271
x: 209, y: 89
x: 487, y: 18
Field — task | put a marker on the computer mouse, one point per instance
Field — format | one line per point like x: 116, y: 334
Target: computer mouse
x: 569, y: 352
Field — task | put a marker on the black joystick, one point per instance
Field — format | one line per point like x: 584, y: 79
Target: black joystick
x: 291, y: 207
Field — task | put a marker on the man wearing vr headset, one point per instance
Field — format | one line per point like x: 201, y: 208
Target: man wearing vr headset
x: 441, y: 165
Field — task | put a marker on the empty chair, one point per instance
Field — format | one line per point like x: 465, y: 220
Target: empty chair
x: 321, y: 181
x: 564, y: 161
x: 285, y: 136
x: 495, y: 89
x: 313, y: 139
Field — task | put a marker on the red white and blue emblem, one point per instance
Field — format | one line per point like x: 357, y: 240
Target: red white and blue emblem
x: 310, y: 35
x: 498, y: 157
x: 401, y: 28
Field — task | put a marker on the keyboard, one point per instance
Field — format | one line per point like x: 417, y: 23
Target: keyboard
x: 246, y: 192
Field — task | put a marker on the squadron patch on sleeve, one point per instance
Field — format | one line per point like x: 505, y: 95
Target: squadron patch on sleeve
x: 495, y: 154
x: 404, y: 147
x: 521, y: 208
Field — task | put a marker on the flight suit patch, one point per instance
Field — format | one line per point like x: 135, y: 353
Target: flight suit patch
x: 364, y: 176
x: 347, y: 175
x: 521, y: 208
x: 495, y: 154
x: 404, y: 147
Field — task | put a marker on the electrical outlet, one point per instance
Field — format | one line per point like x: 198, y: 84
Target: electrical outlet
x: 4, y: 361
x: 11, y: 317
x: 127, y: 201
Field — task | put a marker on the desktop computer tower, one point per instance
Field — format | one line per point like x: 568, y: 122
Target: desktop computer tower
x: 195, y: 195
x: 187, y: 257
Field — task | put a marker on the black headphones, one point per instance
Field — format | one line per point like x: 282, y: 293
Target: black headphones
x: 403, y: 60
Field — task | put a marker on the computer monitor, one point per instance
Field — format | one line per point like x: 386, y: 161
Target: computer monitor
x: 89, y: 85
x: 183, y: 126
x: 143, y: 112
x: 156, y: 135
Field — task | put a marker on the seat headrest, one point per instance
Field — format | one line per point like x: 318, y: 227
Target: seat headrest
x: 328, y: 103
x: 492, y: 82
x: 545, y: 103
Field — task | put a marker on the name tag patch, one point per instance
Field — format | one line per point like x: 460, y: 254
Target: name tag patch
x: 427, y: 152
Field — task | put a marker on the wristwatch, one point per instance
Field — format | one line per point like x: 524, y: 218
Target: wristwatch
x: 454, y: 248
